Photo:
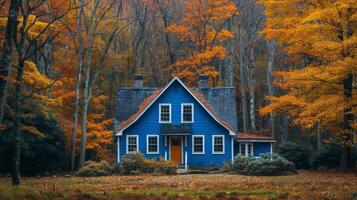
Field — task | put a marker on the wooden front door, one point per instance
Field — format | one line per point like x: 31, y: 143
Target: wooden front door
x: 176, y: 149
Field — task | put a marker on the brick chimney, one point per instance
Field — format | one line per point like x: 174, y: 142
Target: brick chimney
x: 138, y: 81
x: 203, y: 81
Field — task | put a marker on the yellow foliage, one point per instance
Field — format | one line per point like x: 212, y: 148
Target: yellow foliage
x: 326, y: 32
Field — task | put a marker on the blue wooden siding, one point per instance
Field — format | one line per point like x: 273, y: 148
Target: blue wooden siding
x: 204, y: 124
x: 258, y: 148
x: 261, y: 148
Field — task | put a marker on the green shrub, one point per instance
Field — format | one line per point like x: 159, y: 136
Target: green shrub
x: 327, y: 157
x: 92, y: 168
x: 298, y: 154
x: 133, y: 164
x: 267, y: 165
x: 227, y: 167
x: 166, y: 167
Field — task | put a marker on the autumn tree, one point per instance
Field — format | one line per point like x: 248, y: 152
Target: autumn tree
x: 203, y: 31
x: 321, y: 92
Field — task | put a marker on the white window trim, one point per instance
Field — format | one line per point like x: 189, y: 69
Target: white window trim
x: 164, y: 104
x: 219, y: 152
x: 246, y: 148
x: 192, y: 113
x: 127, y: 143
x: 203, y: 144
x: 147, y: 144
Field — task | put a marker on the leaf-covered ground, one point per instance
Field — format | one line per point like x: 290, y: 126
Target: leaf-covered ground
x: 305, y: 185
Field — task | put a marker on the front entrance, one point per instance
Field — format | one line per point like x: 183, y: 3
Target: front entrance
x: 176, y: 149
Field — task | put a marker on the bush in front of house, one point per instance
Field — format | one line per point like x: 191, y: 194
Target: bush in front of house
x: 93, y: 168
x: 298, y: 154
x: 132, y: 163
x: 136, y: 163
x: 267, y: 165
x: 160, y: 166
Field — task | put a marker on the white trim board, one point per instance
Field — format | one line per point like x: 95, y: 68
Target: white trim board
x: 231, y: 132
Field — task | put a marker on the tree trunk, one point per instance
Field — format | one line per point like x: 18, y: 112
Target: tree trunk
x: 319, y: 137
x: 242, y: 75
x: 252, y: 91
x: 78, y: 84
x: 164, y: 14
x: 228, y: 62
x: 271, y: 50
x: 85, y: 109
x: 11, y: 29
x: 16, y: 180
x: 347, y: 92
x: 347, y: 119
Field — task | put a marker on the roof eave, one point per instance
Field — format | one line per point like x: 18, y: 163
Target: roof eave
x: 255, y: 140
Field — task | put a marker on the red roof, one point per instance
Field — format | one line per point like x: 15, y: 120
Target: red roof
x: 249, y: 136
x: 148, y: 101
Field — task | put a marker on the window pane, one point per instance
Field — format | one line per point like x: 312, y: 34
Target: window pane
x: 165, y: 113
x: 218, y: 144
x: 249, y: 148
x: 132, y: 144
x: 152, y: 144
x: 198, y: 144
x: 242, y: 149
x: 187, y: 113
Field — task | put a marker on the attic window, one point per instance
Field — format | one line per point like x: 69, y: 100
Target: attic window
x: 165, y: 113
x: 187, y: 113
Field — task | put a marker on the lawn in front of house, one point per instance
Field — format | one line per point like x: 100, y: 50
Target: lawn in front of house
x: 305, y: 185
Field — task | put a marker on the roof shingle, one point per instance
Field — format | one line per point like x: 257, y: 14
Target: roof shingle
x: 249, y: 136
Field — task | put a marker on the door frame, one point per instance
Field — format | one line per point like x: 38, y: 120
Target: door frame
x: 182, y: 150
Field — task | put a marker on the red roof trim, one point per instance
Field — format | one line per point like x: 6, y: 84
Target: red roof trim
x: 249, y: 136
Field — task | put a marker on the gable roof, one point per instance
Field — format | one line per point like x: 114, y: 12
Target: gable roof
x: 145, y: 105
x: 253, y: 137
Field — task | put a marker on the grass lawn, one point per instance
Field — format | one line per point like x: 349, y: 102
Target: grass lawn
x: 305, y: 185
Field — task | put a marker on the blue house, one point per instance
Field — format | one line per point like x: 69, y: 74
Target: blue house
x: 193, y: 127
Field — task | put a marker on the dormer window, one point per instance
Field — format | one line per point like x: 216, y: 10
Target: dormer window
x: 187, y: 113
x: 165, y: 113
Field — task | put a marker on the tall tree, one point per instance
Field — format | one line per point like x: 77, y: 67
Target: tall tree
x: 7, y: 52
x: 202, y: 30
x: 322, y: 92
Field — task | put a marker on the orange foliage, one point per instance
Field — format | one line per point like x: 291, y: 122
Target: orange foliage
x: 203, y: 29
x: 325, y: 33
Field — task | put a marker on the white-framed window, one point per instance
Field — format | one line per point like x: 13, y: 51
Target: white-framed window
x: 152, y: 144
x: 164, y: 113
x: 246, y: 149
x: 132, y: 143
x: 187, y: 113
x: 217, y: 144
x: 198, y: 144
